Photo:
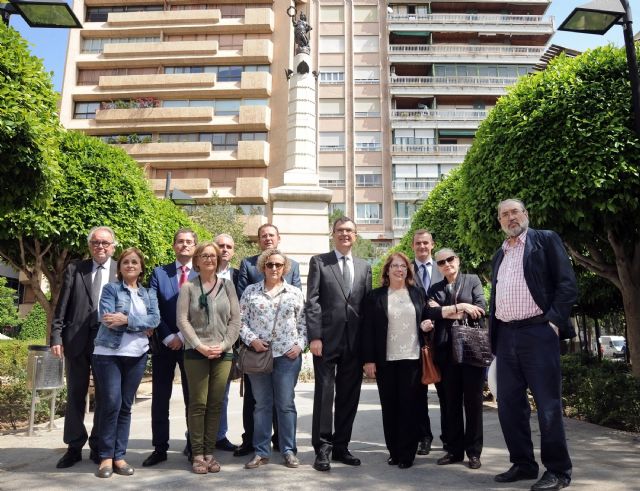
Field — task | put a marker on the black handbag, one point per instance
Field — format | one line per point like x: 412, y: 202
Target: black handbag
x: 470, y: 342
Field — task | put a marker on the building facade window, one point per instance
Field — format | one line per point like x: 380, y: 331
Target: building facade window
x: 334, y: 208
x: 366, y: 107
x: 331, y: 44
x: 96, y: 45
x: 331, y: 13
x: 368, y: 180
x: 101, y: 14
x: 331, y: 141
x: 366, y: 75
x: 331, y: 107
x: 366, y: 44
x: 85, y: 110
x: 365, y: 13
x: 368, y: 141
x: 331, y: 75
x: 331, y: 177
x: 369, y: 213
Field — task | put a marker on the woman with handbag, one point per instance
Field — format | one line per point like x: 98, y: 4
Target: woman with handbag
x: 208, y: 317
x: 457, y: 296
x: 391, y: 341
x: 273, y: 321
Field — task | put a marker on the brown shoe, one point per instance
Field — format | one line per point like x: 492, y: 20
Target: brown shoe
x: 212, y: 464
x: 291, y: 460
x: 256, y: 462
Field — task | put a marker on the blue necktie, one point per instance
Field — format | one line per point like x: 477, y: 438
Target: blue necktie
x: 426, y: 280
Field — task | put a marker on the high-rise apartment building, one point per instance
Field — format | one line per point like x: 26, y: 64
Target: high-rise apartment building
x: 198, y: 88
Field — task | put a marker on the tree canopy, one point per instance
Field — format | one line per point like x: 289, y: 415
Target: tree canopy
x: 28, y: 125
x: 562, y: 141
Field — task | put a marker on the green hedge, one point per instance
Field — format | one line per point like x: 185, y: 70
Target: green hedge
x: 601, y: 392
x: 34, y: 326
x: 15, y: 398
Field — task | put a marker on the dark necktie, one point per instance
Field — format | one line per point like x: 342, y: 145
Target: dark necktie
x: 426, y: 279
x: 346, y: 274
x: 96, y: 288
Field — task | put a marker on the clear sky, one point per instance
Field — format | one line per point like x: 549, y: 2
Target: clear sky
x: 51, y: 44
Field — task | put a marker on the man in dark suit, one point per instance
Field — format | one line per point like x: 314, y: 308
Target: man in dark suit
x: 268, y: 238
x: 227, y: 250
x: 168, y: 343
x: 532, y: 292
x: 426, y: 274
x: 73, y: 330
x: 336, y: 288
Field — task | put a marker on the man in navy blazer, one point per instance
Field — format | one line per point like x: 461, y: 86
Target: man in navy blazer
x: 533, y: 289
x: 73, y: 330
x: 268, y: 238
x: 426, y: 274
x: 168, y: 343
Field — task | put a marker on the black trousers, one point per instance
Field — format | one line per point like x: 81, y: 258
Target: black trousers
x: 529, y: 356
x: 424, y: 423
x: 343, y: 376
x: 163, y: 366
x: 462, y: 387
x: 78, y: 369
x: 248, y: 407
x: 402, y: 399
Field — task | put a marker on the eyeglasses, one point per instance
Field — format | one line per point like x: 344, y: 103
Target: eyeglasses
x: 185, y: 242
x: 206, y: 257
x: 398, y: 266
x: 449, y: 260
x: 100, y: 243
x: 274, y: 265
x: 344, y: 231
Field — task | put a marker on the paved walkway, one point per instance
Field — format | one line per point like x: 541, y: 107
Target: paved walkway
x: 603, y: 459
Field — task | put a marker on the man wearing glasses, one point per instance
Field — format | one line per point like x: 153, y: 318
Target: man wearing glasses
x: 336, y: 288
x: 532, y: 292
x: 73, y: 330
x: 268, y: 238
x: 167, y: 342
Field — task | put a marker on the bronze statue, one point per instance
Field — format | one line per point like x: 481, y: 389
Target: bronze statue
x: 301, y: 29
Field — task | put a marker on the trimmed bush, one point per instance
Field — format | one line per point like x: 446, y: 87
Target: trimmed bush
x: 34, y: 326
x: 601, y: 392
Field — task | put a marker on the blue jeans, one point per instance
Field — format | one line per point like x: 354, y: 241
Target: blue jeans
x: 277, y: 387
x: 224, y: 425
x: 118, y: 378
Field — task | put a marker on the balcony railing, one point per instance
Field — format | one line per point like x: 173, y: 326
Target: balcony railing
x: 332, y: 183
x: 439, y: 114
x: 414, y: 185
x: 449, y: 81
x: 477, y: 19
x: 401, y: 223
x: 332, y: 148
x: 467, y: 49
x: 368, y: 221
x: 431, y: 149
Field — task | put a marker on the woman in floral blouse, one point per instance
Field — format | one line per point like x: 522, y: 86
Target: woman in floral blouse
x: 272, y: 313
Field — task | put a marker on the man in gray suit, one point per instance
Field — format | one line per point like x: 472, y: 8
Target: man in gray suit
x: 426, y: 274
x: 336, y: 288
x: 73, y: 330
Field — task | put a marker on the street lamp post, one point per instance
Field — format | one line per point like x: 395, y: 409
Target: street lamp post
x: 41, y: 13
x: 598, y: 17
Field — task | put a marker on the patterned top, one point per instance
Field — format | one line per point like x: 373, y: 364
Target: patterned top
x: 513, y: 298
x: 402, y: 335
x: 257, y: 311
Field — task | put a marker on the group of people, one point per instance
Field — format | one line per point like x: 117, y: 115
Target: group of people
x: 198, y: 308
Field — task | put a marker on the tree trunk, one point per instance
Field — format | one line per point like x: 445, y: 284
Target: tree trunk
x: 631, y: 301
x: 598, y: 346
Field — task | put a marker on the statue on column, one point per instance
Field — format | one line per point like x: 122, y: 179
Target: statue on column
x: 301, y: 29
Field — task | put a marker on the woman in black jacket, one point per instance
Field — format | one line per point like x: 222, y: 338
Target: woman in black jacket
x: 391, y: 341
x: 453, y: 297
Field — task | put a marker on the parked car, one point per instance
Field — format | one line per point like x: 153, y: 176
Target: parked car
x: 613, y: 347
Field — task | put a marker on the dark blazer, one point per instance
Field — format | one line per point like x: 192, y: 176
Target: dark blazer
x: 436, y: 275
x: 74, y: 321
x: 550, y: 279
x: 376, y: 322
x: 249, y: 274
x: 469, y: 290
x: 164, y: 280
x: 330, y: 309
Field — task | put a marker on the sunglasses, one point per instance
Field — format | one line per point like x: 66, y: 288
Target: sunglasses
x: 274, y: 265
x: 449, y: 260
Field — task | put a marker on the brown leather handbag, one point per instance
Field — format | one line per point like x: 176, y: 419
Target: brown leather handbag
x: 430, y: 371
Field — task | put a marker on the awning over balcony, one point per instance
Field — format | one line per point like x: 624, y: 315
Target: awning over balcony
x: 457, y: 132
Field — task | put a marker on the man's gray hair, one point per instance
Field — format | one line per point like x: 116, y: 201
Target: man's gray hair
x: 511, y: 200
x: 101, y: 227
x: 225, y: 236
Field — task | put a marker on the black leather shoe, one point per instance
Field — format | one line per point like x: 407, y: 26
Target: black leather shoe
x: 242, y: 450
x: 322, y: 459
x: 448, y: 459
x: 345, y: 457
x: 474, y: 463
x: 155, y: 458
x: 392, y: 461
x: 123, y: 470
x: 424, y: 447
x: 94, y: 457
x: 549, y: 480
x: 104, y: 472
x: 405, y: 465
x: 226, y: 445
x: 70, y: 457
x: 517, y: 473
